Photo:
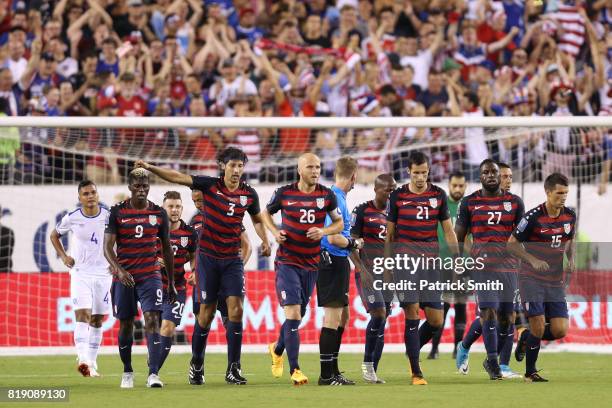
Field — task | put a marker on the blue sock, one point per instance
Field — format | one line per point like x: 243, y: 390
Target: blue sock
x: 292, y: 338
x: 371, y: 336
x: 280, y: 343
x: 411, y: 339
x: 233, y: 334
x: 198, y: 344
x: 533, y: 348
x: 426, y: 332
x: 154, y: 348
x: 125, y: 352
x: 505, y: 348
x: 489, y: 335
x: 473, y: 334
x: 380, y: 344
x: 166, y: 345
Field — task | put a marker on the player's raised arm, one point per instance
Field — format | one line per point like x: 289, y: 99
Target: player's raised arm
x: 170, y: 175
x: 168, y: 254
x: 57, y: 244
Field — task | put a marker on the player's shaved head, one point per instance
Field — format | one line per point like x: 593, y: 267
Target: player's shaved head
x: 309, y: 169
x: 383, y: 180
x: 306, y: 159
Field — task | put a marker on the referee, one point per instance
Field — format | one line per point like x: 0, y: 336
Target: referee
x: 333, y: 280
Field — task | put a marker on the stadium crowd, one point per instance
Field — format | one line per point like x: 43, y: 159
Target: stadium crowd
x: 237, y: 58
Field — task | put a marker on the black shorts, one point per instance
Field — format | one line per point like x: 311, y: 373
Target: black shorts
x: 333, y: 281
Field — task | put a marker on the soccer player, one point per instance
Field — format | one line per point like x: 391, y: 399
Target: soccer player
x: 490, y: 214
x: 548, y: 231
x: 90, y: 279
x: 456, y: 188
x: 334, y: 277
x: 184, y: 242
x: 135, y: 225
x: 219, y: 268
x: 369, y: 222
x: 414, y: 212
x: 505, y: 174
x: 304, y: 206
x: 245, y: 253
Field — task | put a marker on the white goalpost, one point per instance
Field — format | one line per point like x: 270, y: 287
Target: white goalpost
x: 39, y: 186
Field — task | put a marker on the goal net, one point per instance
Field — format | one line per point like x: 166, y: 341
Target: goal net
x: 38, y: 186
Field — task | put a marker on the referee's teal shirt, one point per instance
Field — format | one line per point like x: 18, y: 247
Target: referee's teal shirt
x: 346, y: 217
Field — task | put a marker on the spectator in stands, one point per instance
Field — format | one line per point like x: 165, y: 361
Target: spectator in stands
x: 7, y: 245
x: 9, y: 92
x: 9, y: 145
x: 109, y: 60
x: 15, y: 60
x: 435, y: 97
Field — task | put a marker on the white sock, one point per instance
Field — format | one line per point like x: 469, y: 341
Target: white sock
x: 81, y: 340
x: 95, y: 338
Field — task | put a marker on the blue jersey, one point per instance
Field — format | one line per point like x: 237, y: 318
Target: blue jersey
x: 346, y: 217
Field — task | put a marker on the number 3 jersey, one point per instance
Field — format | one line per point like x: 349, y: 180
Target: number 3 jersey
x: 300, y: 212
x: 137, y: 232
x: 86, y: 243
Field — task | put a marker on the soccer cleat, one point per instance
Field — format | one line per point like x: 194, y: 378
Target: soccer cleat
x: 196, y: 376
x: 493, y: 371
x: 336, y: 380
x: 154, y: 381
x: 463, y: 359
x: 93, y: 372
x: 298, y: 378
x: 368, y: 373
x: 277, y: 361
x: 508, y: 373
x: 234, y: 375
x: 521, y: 346
x: 127, y: 380
x: 83, y: 368
x: 345, y: 380
x: 417, y: 379
x: 433, y: 355
x: 534, y: 377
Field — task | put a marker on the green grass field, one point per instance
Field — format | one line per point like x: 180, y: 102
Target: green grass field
x: 576, y: 380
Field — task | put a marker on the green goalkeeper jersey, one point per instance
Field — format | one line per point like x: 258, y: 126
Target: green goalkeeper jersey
x: 453, y: 206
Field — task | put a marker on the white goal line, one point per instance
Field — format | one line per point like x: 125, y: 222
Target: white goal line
x: 306, y: 122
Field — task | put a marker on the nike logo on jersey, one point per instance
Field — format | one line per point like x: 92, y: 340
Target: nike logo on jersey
x: 545, y: 229
x: 478, y: 207
x: 412, y: 328
x: 156, y: 342
x: 405, y: 202
x: 294, y: 330
x: 291, y: 202
x: 371, y: 219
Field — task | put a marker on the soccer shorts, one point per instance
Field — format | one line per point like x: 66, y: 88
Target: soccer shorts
x: 148, y: 292
x: 542, y: 299
x: 294, y: 285
x: 425, y: 297
x: 333, y: 281
x: 91, y: 293
x: 218, y: 277
x: 503, y: 299
x: 371, y: 298
x: 174, y: 312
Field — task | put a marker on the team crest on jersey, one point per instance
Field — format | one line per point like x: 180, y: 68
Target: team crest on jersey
x: 153, y: 219
x: 507, y: 206
x: 567, y: 228
x: 243, y: 200
x: 433, y: 202
x: 320, y: 203
x: 184, y: 241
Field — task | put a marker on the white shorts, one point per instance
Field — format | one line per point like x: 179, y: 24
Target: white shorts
x: 91, y: 293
